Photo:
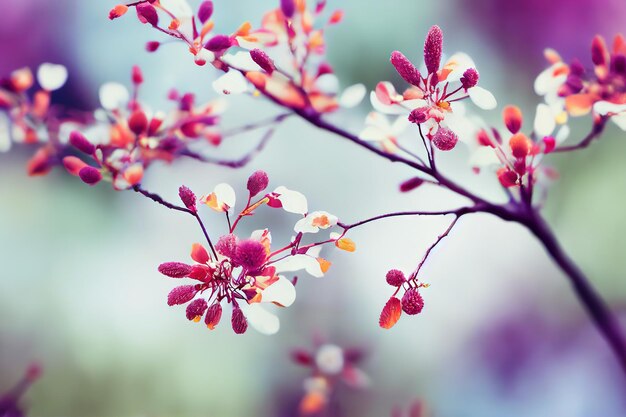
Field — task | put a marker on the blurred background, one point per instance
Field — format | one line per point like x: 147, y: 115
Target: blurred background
x: 501, y: 333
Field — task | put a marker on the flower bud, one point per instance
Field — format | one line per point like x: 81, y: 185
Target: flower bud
x: 238, y: 321
x: 419, y: 115
x: 412, y: 302
x: 136, y: 75
x: 175, y: 269
x: 80, y: 142
x: 395, y: 277
x: 213, y: 316
x: 411, y: 184
x: 90, y: 175
x: 118, y: 11
x: 205, y: 11
x: 138, y: 122
x: 262, y: 60
x: 250, y: 254
x: 218, y: 43
x: 257, y: 182
x: 73, y: 165
x: 147, y: 14
x: 152, y: 46
x: 507, y: 177
x: 195, y: 309
x: 181, y: 295
x: 470, y: 78
x: 227, y: 245
x: 445, y: 139
x: 288, y: 7
x: 520, y: 145
x: 391, y: 313
x: 512, y: 118
x: 599, y: 51
x: 187, y: 197
x: 432, y: 49
x: 405, y: 68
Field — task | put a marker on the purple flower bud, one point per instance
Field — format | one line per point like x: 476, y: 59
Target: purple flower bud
x: 238, y: 320
x: 262, y: 60
x: 257, y: 182
x: 411, y: 184
x: 181, y: 295
x: 250, y: 254
x: 175, y: 269
x: 288, y: 7
x: 90, y: 175
x: 213, y: 316
x: 419, y: 115
x: 81, y: 143
x: 147, y: 14
x: 205, y: 11
x: 445, y: 139
x: 196, y: 309
x: 187, y: 197
x: 405, y: 68
x: 618, y: 64
x: 432, y: 49
x: 469, y: 78
x: 598, y: 50
x: 152, y: 46
x: 395, y: 278
x: 412, y: 302
x: 218, y: 43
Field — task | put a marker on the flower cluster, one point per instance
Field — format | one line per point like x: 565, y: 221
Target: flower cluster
x: 329, y: 365
x: 571, y: 89
x: 246, y: 272
x: 411, y: 302
x: 283, y: 58
x: 429, y: 99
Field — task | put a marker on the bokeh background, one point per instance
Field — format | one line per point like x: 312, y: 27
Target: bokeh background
x: 501, y: 334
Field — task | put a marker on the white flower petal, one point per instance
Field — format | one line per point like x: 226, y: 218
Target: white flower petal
x: 225, y: 194
x: 241, y: 60
x: 372, y: 133
x: 562, y: 134
x: 620, y: 121
x: 482, y: 98
x: 292, y: 201
x: 544, y: 121
x: 604, y: 107
x: 385, y: 108
x: 113, y: 96
x: 51, y: 76
x: 327, y: 84
x: 329, y: 359
x: 352, y: 96
x: 233, y: 82
x: 459, y: 62
x: 260, y: 319
x: 5, y: 133
x: 282, y: 292
x: 299, y: 262
x: 484, y: 156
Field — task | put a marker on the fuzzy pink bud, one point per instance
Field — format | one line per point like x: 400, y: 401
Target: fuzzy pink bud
x: 147, y: 14
x: 218, y: 43
x: 80, y: 142
x: 175, y: 269
x: 405, y: 68
x: 250, y: 254
x: 90, y: 175
x: 257, y: 182
x: 412, y: 302
x: 470, y: 78
x: 445, y: 139
x: 238, y: 320
x: 419, y: 115
x: 205, y: 11
x: 187, y: 197
x: 196, y: 309
x: 262, y: 60
x: 227, y: 245
x: 213, y: 316
x: 395, y: 278
x: 181, y: 295
x: 432, y: 49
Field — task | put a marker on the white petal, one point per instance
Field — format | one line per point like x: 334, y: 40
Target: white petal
x: 113, y: 96
x: 329, y: 359
x: 327, y: 84
x: 482, y: 98
x: 352, y: 96
x: 372, y: 134
x: 385, y: 108
x: 51, y: 76
x: 179, y: 8
x: 604, y: 107
x: 620, y: 121
x: 282, y: 292
x: 304, y: 226
x: 262, y: 320
x: 5, y: 133
x: 544, y: 121
x: 292, y: 201
x: 241, y: 60
x: 399, y: 126
x: 484, y: 156
x: 299, y: 262
x: 459, y: 62
x: 233, y: 82
x: 225, y: 194
x: 562, y: 134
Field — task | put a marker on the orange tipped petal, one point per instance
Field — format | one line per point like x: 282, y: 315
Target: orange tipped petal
x: 199, y: 253
x: 512, y: 118
x: 391, y: 313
